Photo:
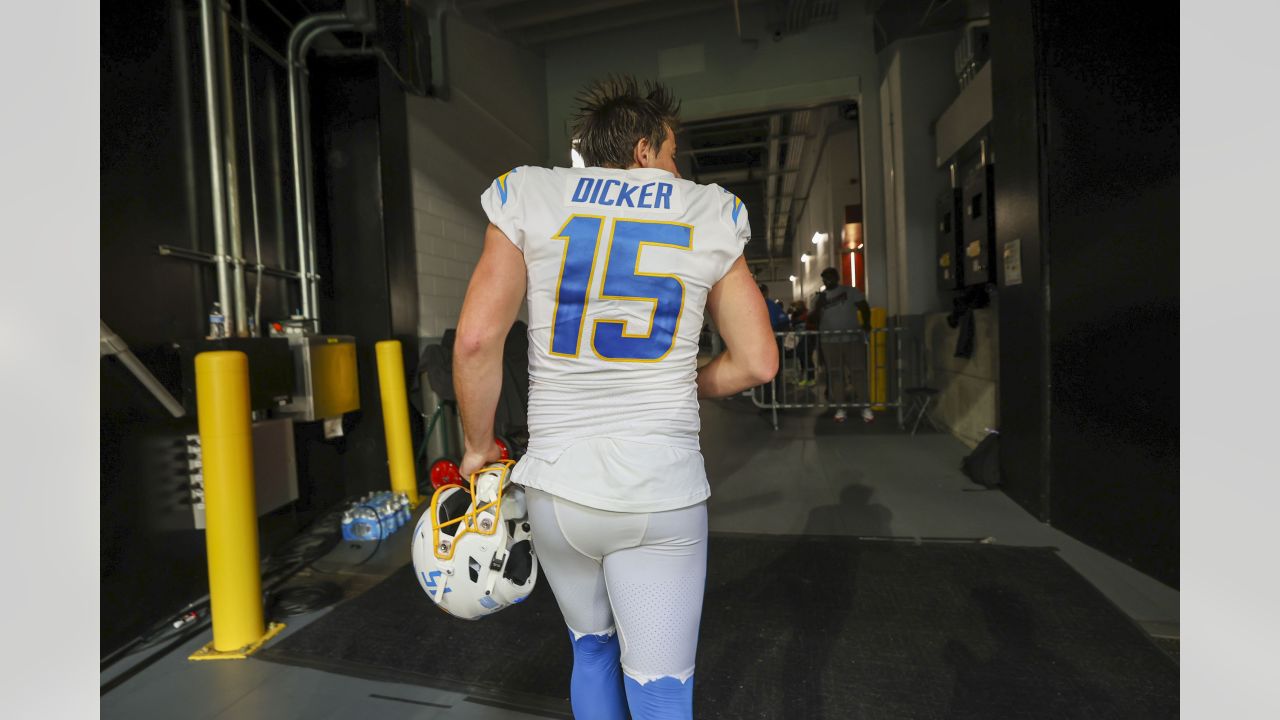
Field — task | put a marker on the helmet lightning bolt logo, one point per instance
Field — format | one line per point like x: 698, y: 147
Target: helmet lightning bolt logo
x: 430, y: 582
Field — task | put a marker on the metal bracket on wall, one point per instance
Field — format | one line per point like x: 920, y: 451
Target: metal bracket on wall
x: 204, y: 257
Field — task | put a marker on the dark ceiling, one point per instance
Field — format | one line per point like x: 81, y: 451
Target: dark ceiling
x: 901, y: 19
x: 534, y: 23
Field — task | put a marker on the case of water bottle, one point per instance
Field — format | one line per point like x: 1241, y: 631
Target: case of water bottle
x: 376, y: 516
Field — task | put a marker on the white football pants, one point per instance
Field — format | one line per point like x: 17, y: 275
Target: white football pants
x: 641, y: 574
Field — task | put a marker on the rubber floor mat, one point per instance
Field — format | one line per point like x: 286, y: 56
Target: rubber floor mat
x: 802, y: 627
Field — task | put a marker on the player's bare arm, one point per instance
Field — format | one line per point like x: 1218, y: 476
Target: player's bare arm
x: 489, y: 309
x: 751, y: 353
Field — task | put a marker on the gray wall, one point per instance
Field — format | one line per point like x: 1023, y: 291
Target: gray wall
x: 494, y: 119
x: 825, y: 62
x: 928, y: 86
x: 924, y: 85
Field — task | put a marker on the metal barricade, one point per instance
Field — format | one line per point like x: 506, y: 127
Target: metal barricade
x: 811, y: 362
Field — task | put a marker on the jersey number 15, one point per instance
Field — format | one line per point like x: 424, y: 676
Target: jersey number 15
x: 622, y: 281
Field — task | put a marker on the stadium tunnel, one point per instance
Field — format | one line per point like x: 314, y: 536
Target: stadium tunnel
x: 299, y: 181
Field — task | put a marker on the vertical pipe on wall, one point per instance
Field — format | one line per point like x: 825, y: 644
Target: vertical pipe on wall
x: 299, y: 38
x: 308, y: 186
x: 232, y: 160
x: 253, y: 179
x: 308, y: 177
x: 208, y: 17
x: 299, y: 210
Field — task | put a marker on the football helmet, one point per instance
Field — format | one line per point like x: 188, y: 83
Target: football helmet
x: 471, y: 548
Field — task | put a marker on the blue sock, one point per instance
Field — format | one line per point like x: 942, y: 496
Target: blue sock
x: 595, y: 689
x: 663, y: 699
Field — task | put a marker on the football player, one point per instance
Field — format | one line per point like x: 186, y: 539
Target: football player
x: 619, y: 261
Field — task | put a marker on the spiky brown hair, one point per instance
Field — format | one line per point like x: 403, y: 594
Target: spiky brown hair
x: 615, y: 113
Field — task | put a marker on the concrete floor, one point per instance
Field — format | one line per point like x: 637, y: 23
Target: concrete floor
x: 811, y: 476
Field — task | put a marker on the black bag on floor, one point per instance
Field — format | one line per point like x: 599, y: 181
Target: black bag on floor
x: 983, y: 464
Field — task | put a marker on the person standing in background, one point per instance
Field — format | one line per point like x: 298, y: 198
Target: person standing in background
x: 843, y: 310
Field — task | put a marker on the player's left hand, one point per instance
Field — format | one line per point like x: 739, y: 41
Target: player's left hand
x: 474, y: 460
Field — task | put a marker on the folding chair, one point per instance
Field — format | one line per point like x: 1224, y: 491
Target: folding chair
x: 918, y: 401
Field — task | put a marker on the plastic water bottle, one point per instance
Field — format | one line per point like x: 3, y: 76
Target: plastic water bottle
x: 388, y: 516
x: 406, y: 514
x: 217, y: 322
x: 396, y: 511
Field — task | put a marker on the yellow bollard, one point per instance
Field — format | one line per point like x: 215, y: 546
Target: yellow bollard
x: 879, y: 358
x: 395, y: 419
x: 231, y: 518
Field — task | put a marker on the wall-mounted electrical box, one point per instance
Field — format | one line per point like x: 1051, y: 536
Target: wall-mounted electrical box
x: 271, y: 369
x: 979, y: 228
x: 326, y: 384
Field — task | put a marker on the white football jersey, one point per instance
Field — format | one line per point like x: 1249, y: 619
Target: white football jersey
x: 619, y: 266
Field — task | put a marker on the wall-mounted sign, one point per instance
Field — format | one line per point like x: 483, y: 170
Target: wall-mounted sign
x: 1013, y: 262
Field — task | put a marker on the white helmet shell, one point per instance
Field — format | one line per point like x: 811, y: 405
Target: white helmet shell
x: 471, y: 550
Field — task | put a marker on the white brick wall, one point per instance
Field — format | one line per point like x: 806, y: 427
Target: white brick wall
x: 450, y: 237
x: 448, y: 221
x: 494, y: 120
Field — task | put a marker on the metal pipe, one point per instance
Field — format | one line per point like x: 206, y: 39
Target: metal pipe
x: 198, y: 256
x: 743, y: 145
x: 771, y: 183
x: 308, y: 176
x: 744, y: 175
x: 232, y: 159
x: 256, y: 330
x: 295, y: 118
x: 309, y: 194
x: 207, y: 18
x: 110, y: 343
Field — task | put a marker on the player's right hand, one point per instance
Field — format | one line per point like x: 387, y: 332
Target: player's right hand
x: 473, y: 461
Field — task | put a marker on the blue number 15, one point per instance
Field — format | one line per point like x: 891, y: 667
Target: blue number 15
x: 622, y: 281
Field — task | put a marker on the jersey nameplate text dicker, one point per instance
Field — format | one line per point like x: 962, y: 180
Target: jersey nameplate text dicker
x: 595, y: 192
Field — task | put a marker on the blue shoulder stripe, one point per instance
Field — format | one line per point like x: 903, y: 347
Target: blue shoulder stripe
x: 737, y: 205
x: 502, y: 185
